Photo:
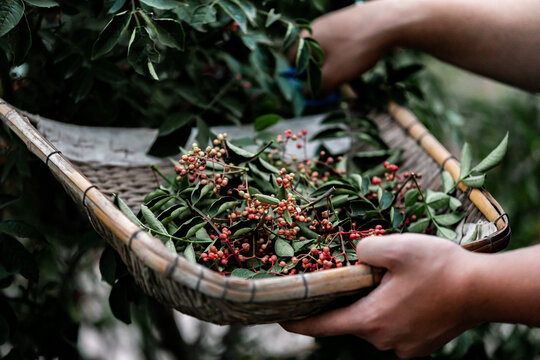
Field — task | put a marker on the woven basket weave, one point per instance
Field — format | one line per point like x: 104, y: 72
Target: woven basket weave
x: 200, y: 292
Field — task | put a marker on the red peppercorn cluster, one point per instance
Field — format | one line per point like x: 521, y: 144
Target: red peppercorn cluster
x: 267, y: 219
x: 195, y: 162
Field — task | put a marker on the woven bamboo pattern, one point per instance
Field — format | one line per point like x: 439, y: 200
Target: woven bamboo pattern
x: 201, y: 292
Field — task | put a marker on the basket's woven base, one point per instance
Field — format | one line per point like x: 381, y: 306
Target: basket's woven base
x: 132, y: 184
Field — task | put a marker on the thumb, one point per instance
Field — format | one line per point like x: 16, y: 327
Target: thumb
x: 381, y: 251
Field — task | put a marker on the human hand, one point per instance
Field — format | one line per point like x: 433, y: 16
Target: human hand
x: 423, y: 301
x: 353, y: 40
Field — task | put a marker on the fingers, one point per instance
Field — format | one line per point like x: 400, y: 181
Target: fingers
x: 381, y: 251
x: 335, y: 322
x: 390, y: 251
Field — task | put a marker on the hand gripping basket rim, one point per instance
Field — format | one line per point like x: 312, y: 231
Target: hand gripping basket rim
x: 169, y: 276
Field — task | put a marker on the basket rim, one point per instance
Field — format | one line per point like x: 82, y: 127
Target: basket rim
x: 153, y: 253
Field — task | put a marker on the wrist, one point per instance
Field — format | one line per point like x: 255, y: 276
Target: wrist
x: 466, y: 298
x: 475, y: 280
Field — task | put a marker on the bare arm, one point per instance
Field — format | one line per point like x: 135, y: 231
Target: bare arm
x: 426, y: 299
x: 498, y: 39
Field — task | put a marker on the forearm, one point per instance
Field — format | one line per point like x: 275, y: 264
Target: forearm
x: 498, y: 39
x: 506, y: 287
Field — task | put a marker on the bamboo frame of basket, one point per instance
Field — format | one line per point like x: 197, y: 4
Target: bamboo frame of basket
x: 203, y: 293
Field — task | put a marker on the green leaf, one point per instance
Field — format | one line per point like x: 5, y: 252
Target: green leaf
x: 307, y: 231
x: 161, y: 4
x: 290, y: 36
x: 174, y: 122
x: 151, y: 70
x: 11, y: 12
x: 330, y: 133
x: 152, y: 221
x: 239, y: 152
x: 112, y: 33
x: 448, y: 219
x: 107, y: 265
x: 119, y: 300
x: 287, y: 216
x: 454, y: 203
x: 18, y: 229
x: 446, y: 233
x: 365, y: 186
x: 200, y: 194
x: 316, y: 50
x: 397, y: 218
x: 299, y: 244
x: 238, y: 233
x: 126, y: 210
x: 115, y: 5
x: 447, y: 181
x: 475, y: 181
x: 189, y: 253
x: 271, y: 18
x: 494, y: 157
x: 411, y: 197
x: 356, y: 180
x: 302, y: 56
x: 235, y: 13
x: 202, y: 15
x: 386, y: 200
x: 266, y: 121
x: 169, y: 244
x: 221, y: 207
x: 437, y: 200
x: 170, y: 33
x: 268, y: 166
x: 42, y: 3
x: 142, y: 51
x: 283, y: 248
x: 465, y: 162
x: 193, y: 230
x: 419, y: 226
x: 249, y: 10
x: 360, y: 207
x: 266, y: 199
x: 242, y: 273
x: 202, y: 235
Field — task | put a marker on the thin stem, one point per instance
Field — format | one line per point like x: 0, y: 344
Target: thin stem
x: 134, y: 9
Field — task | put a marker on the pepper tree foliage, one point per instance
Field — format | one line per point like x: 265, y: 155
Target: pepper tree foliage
x: 159, y: 63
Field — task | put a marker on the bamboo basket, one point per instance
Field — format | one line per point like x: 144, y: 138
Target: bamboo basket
x: 200, y: 292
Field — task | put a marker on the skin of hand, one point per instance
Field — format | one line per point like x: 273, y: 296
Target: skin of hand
x: 423, y: 301
x: 350, y: 47
x: 497, y: 39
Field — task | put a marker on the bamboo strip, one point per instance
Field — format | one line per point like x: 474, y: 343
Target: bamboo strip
x: 407, y: 120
